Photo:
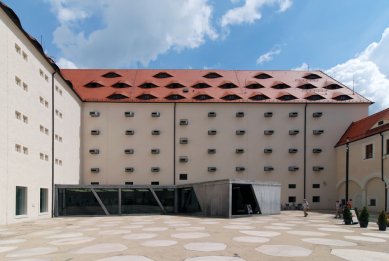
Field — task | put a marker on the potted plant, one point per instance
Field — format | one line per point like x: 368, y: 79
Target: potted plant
x: 347, y: 216
x: 363, y: 218
x: 382, y: 221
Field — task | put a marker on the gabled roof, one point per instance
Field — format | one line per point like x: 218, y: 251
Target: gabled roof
x: 366, y: 127
x: 214, y: 83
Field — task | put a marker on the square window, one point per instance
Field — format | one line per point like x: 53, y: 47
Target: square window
x: 292, y: 199
x: 369, y: 151
x: 183, y: 176
x: 316, y: 199
x: 315, y: 185
x: 292, y: 186
x: 43, y: 200
x: 372, y: 202
x: 21, y: 201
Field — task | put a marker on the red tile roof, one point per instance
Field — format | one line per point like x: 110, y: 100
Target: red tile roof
x: 364, y: 128
x: 139, y: 85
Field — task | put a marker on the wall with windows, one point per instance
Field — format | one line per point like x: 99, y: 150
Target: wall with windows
x: 366, y: 187
x: 26, y: 128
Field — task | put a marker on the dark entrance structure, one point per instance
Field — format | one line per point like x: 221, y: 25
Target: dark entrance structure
x: 244, y: 201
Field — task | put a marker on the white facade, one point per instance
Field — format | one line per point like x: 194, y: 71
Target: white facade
x: 26, y: 128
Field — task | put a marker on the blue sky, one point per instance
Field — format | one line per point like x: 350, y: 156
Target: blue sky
x: 347, y: 39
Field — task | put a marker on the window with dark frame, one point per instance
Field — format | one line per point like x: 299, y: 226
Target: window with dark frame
x: 315, y: 185
x: 183, y: 176
x: 292, y: 186
x: 316, y: 199
x: 387, y: 146
x: 373, y: 202
x: 292, y: 199
x: 369, y: 151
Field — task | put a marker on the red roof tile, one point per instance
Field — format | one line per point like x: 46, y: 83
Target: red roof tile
x: 363, y: 128
x: 233, y: 81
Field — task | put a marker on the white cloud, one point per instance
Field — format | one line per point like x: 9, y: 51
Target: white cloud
x: 131, y: 32
x: 66, y: 64
x: 269, y: 56
x: 250, y: 11
x: 368, y: 72
x: 303, y: 67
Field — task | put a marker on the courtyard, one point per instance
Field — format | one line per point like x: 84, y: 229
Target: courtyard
x: 288, y: 236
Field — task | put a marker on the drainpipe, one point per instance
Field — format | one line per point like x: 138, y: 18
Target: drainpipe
x: 52, y: 145
x: 174, y: 144
x: 382, y: 171
x: 305, y: 150
x: 347, y: 166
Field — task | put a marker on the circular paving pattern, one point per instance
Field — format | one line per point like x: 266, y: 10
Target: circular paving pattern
x: 380, y: 235
x: 7, y: 248
x: 360, y: 255
x: 238, y: 227
x: 138, y: 236
x: 205, y: 246
x: 214, y: 258
x: 190, y: 235
x: 283, y: 250
x: 366, y: 239
x: 66, y: 235
x: 11, y: 241
x: 159, y: 243
x: 277, y: 227
x: 328, y: 242
x: 37, y: 251
x: 126, y: 258
x: 251, y: 239
x: 71, y: 241
x: 114, y: 232
x: 190, y: 228
x: 341, y: 230
x: 101, y: 248
x: 307, y: 233
x: 155, y: 229
x: 260, y: 233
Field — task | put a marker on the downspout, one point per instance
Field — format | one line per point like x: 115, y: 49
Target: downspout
x: 305, y: 150
x: 382, y: 171
x: 52, y: 145
x: 174, y: 144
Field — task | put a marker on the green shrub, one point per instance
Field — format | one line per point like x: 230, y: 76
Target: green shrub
x: 347, y: 216
x: 363, y: 218
x: 382, y: 221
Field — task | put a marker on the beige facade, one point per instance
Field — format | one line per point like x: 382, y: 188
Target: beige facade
x: 205, y: 156
x: 366, y: 187
x: 26, y: 128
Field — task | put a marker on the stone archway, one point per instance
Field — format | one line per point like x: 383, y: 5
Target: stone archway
x: 375, y: 194
x: 354, y: 191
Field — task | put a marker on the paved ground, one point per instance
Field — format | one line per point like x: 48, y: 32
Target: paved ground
x: 288, y: 236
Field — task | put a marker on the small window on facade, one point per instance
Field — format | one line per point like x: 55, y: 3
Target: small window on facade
x: 46, y: 78
x: 212, y: 75
x: 369, y: 151
x: 211, y: 114
x: 259, y: 97
x: 25, y: 87
x: 155, y: 183
x: 286, y: 97
x: 25, y: 150
x: 17, y: 48
x: 342, y: 98
x: 211, y: 151
x: 162, y: 75
x: 203, y: 97
x: 316, y: 199
x: 262, y: 76
x: 254, y: 86
x: 146, y: 96
x: 128, y: 183
x: 95, y: 183
x: 43, y: 200
x: 117, y: 96
x: 228, y: 85
x: 25, y: 119
x: 41, y: 73
x: 25, y: 56
x: 312, y: 76
x: 18, y: 81
x: 387, y: 146
x: 174, y: 85
x: 292, y: 199
x: 315, y: 185
x: 315, y: 97
x: 372, y: 202
x: 201, y: 85
x: 174, y: 97
x: 292, y: 186
x: 231, y: 97
x: 18, y: 148
x: 46, y: 157
x: 239, y: 114
x: 332, y: 86
x: 280, y: 86
x: 41, y: 156
x: 18, y: 115
x: 183, y: 176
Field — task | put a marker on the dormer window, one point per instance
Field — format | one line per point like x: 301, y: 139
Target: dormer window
x: 212, y: 75
x: 93, y: 85
x: 228, y: 85
x: 148, y: 85
x: 262, y: 76
x: 380, y: 123
x: 116, y: 96
x: 333, y: 86
x: 307, y: 86
x: 312, y: 76
x: 111, y: 75
x: 287, y: 97
x: 121, y: 85
x: 203, y: 97
x: 174, y: 97
x: 259, y: 97
x: 254, y: 86
x: 146, y: 96
x: 315, y: 97
x: 174, y: 85
x: 201, y: 85
x: 162, y: 75
x: 342, y: 98
x: 280, y: 86
x: 231, y: 97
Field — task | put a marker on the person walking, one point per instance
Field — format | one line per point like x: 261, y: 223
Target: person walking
x: 338, y: 209
x: 305, y: 207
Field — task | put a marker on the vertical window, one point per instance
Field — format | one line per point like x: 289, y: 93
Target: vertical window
x: 18, y: 81
x: 21, y: 201
x: 369, y: 151
x: 46, y: 131
x: 25, y: 87
x: 387, y: 146
x: 46, y: 157
x: 25, y: 150
x: 25, y: 119
x: 43, y: 206
x: 41, y: 73
x: 18, y: 115
x: 60, y: 139
x: 41, y: 156
x: 17, y: 49
x: 18, y: 148
x: 46, y: 104
x: 25, y: 56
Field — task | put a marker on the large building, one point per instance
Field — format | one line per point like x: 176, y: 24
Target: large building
x: 114, y: 138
